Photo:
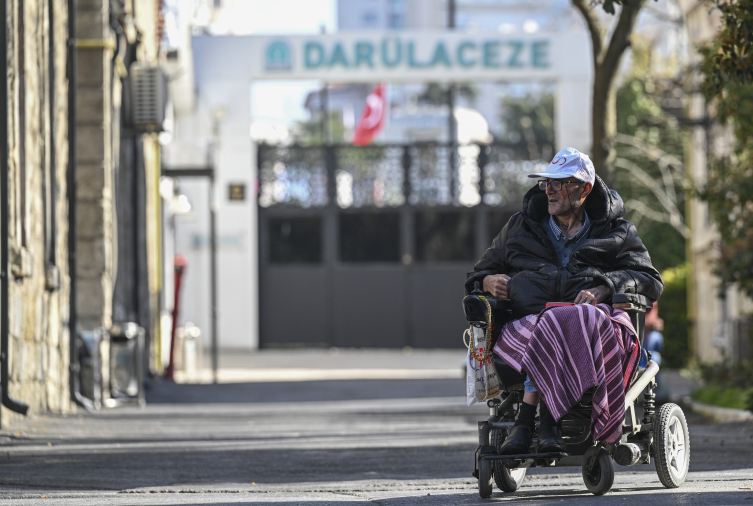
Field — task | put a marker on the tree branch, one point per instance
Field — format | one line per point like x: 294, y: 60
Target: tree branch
x: 621, y: 36
x: 675, y: 217
x: 644, y: 210
x: 663, y: 160
x: 595, y: 28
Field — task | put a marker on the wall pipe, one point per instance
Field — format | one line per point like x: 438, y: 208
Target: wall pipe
x: 70, y: 177
x: 7, y: 400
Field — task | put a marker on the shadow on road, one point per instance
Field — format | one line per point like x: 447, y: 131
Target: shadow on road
x: 164, y: 392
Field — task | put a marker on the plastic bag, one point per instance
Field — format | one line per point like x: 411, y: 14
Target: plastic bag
x: 482, y: 382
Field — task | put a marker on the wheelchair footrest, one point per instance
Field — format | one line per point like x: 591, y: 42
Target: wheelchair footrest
x: 525, y: 456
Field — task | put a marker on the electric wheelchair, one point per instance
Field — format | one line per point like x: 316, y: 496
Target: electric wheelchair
x: 659, y: 436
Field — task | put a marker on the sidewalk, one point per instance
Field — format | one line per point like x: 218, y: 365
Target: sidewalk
x: 279, y: 365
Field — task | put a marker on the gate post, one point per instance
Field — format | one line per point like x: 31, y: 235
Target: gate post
x: 480, y: 214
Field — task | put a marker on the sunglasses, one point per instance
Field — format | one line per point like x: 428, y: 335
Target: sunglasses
x: 556, y: 185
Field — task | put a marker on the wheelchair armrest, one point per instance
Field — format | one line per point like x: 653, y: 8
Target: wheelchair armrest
x: 500, y: 304
x: 631, y: 302
x: 635, y: 305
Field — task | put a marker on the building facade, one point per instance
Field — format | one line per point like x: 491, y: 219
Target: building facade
x: 720, y: 316
x: 36, y: 293
x: 108, y: 257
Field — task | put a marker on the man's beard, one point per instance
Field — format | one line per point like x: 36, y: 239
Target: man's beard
x: 567, y: 207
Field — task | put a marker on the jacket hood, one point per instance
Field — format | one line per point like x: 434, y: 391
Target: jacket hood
x: 602, y: 205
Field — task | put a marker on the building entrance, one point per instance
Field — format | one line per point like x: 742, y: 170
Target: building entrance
x: 370, y: 246
x: 359, y: 246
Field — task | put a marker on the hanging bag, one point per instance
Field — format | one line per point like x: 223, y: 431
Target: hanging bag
x: 482, y: 382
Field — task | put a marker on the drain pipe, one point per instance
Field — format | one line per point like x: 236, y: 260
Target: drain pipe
x: 8, y: 401
x: 74, y: 379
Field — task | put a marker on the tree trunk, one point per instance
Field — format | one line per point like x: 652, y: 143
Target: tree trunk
x: 604, y: 124
x: 606, y: 62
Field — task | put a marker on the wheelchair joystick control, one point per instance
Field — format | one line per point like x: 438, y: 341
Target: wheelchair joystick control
x: 476, y: 308
x: 477, y: 289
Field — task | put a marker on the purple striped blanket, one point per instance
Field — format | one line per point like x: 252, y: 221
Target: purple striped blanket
x: 568, y: 349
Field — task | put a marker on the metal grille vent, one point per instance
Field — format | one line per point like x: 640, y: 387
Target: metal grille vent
x: 148, y: 97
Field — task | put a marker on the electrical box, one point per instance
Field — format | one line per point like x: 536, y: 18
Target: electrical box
x: 148, y: 97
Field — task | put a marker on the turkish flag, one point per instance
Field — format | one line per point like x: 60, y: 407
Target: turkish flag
x: 372, y: 118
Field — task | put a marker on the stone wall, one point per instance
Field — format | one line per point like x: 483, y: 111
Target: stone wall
x: 94, y: 172
x: 38, y: 154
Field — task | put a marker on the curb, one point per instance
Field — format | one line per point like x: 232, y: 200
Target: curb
x: 721, y: 415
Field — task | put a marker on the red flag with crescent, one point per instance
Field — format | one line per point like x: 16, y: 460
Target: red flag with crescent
x: 372, y: 118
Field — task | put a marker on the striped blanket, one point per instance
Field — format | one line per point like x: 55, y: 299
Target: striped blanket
x: 568, y: 350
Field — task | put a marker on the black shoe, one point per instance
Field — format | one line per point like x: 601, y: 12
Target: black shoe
x: 550, y: 439
x: 517, y: 442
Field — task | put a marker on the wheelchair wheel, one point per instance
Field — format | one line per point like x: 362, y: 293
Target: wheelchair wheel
x: 485, y: 478
x: 671, y: 445
x: 598, y: 470
x: 507, y: 480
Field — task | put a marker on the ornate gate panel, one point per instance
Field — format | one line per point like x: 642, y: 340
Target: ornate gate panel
x: 370, y: 246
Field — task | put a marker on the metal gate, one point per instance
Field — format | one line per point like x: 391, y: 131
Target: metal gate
x: 370, y: 246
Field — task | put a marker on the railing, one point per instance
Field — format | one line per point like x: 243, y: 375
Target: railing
x: 393, y: 175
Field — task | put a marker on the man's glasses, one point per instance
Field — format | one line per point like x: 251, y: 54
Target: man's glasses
x: 556, y: 185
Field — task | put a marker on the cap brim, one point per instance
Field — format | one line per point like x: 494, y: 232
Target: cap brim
x: 548, y: 174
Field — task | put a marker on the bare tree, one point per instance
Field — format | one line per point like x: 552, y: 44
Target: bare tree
x: 607, y: 52
x: 664, y: 191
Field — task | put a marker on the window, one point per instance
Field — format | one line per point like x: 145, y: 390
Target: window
x: 370, y: 237
x: 395, y: 20
x: 443, y: 236
x: 295, y: 240
x: 369, y: 18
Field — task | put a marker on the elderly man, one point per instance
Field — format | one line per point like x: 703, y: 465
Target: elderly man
x: 569, y: 243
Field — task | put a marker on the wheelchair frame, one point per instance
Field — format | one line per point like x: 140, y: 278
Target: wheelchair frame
x: 639, y: 443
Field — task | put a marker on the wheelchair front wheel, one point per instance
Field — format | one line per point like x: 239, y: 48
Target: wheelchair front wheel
x: 598, y: 470
x: 671, y: 445
x: 507, y: 480
x: 484, y: 478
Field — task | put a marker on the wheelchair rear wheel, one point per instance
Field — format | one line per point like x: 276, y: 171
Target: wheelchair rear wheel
x: 507, y: 480
x: 671, y: 445
x: 598, y: 470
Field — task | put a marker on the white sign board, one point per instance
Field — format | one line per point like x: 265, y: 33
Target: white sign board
x: 399, y: 57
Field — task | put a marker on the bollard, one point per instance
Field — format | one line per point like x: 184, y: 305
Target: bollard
x: 180, y: 267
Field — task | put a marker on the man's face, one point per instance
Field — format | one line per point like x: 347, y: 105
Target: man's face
x: 569, y: 197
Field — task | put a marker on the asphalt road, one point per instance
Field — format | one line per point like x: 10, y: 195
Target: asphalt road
x: 388, y: 442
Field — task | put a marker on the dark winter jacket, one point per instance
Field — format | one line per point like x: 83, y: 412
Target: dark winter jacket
x: 611, y: 255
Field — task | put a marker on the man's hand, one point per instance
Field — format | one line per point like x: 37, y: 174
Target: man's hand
x: 593, y: 296
x: 496, y: 284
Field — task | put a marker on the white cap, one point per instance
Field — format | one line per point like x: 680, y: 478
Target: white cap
x: 569, y: 162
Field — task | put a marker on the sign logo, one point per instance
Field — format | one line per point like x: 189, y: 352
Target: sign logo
x: 278, y: 56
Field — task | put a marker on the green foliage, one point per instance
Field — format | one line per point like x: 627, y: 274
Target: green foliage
x: 727, y: 71
x: 730, y: 58
x: 726, y: 384
x: 529, y: 122
x: 310, y: 132
x: 650, y: 140
x: 726, y: 397
x: 673, y: 309
x: 436, y: 94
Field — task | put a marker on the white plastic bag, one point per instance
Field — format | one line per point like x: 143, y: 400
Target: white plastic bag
x: 482, y: 382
